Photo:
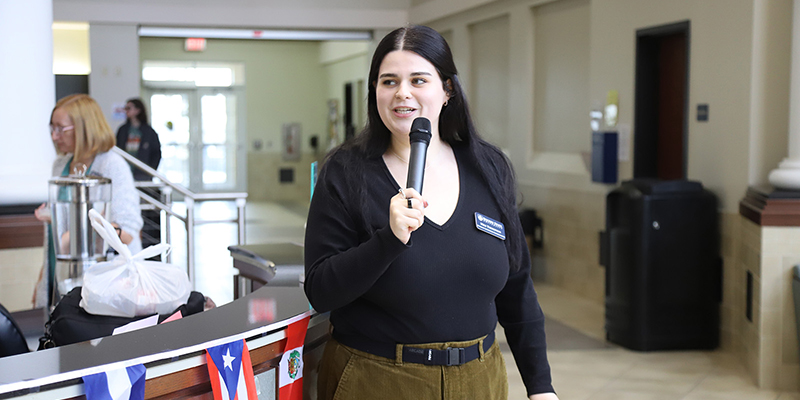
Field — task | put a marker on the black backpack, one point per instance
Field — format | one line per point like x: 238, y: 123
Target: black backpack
x: 69, y: 323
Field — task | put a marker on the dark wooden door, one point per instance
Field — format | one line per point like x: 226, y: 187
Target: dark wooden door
x: 671, y: 106
x: 661, y: 104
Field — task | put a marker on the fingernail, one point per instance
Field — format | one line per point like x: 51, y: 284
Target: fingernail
x: 426, y: 204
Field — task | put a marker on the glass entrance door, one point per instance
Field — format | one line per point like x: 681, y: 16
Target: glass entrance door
x: 200, y: 136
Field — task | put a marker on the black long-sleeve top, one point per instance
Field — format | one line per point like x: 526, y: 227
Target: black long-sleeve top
x: 450, y: 283
x: 149, y: 149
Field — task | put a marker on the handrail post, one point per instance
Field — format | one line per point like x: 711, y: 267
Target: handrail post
x: 167, y: 193
x: 190, y: 239
x: 189, y: 199
x: 240, y: 203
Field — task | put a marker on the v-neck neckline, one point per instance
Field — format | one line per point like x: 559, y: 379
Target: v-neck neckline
x: 460, y: 191
x: 66, y: 171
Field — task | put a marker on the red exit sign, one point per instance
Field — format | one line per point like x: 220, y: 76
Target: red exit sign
x: 195, y: 44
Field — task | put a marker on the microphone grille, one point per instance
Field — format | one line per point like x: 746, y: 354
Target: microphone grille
x: 421, y: 124
x: 420, y: 130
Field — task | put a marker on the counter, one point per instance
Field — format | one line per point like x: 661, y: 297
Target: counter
x: 174, y: 353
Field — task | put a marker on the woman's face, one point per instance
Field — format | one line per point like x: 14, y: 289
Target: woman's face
x: 131, y: 111
x: 62, y: 131
x: 408, y: 87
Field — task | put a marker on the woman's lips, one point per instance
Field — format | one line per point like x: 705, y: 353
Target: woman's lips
x: 404, y: 111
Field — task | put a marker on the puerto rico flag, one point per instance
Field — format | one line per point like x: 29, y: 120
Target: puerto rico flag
x: 118, y: 384
x: 290, y: 371
x: 231, y: 372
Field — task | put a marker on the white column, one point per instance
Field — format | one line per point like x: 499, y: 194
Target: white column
x: 787, y: 175
x: 29, y: 91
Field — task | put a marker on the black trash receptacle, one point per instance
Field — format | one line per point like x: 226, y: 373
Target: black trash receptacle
x: 663, y: 267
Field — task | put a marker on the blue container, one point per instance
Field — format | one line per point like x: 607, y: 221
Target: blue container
x: 604, y: 157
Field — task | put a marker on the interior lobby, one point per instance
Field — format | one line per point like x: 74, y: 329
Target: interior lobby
x: 534, y: 72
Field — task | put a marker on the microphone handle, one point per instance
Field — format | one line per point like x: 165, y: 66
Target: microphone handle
x: 416, y: 165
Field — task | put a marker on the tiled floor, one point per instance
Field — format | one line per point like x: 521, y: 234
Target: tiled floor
x: 595, y: 374
x: 620, y: 374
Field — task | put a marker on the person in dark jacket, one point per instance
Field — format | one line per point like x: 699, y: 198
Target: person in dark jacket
x: 139, y: 139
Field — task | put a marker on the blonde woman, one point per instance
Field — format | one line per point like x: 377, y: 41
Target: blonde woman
x: 82, y: 139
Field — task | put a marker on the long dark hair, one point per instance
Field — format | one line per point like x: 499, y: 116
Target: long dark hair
x: 455, y: 127
x: 142, y: 116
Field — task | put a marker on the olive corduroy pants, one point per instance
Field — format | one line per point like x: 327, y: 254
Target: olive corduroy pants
x: 349, y: 374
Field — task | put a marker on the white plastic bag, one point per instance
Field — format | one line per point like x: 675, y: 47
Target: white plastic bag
x: 129, y: 286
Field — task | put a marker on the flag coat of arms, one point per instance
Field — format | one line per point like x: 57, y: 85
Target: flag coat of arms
x: 231, y: 372
x: 290, y: 371
x: 118, y: 384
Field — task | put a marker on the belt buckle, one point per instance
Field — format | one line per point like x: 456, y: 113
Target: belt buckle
x: 455, y: 356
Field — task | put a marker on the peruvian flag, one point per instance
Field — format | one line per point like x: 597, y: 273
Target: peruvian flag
x: 231, y: 371
x: 290, y: 371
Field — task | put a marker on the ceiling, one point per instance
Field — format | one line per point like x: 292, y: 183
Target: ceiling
x: 303, y: 14
x: 351, y: 4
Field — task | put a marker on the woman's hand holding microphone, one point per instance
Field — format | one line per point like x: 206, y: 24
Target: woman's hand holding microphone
x: 406, y: 213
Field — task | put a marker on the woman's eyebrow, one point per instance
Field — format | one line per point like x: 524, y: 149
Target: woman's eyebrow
x: 392, y: 75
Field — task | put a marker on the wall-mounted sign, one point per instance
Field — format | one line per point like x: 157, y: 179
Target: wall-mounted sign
x: 291, y: 141
x: 702, y: 112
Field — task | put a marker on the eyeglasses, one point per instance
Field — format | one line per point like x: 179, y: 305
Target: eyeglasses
x: 60, y: 129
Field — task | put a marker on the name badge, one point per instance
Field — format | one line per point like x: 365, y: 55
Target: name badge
x: 490, y: 226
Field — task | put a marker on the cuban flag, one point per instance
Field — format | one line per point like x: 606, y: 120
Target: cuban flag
x: 231, y: 372
x: 290, y: 370
x: 119, y: 384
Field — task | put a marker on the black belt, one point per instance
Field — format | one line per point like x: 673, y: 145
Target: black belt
x: 449, y: 356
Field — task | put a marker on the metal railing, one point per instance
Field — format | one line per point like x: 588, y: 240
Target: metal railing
x: 189, y: 198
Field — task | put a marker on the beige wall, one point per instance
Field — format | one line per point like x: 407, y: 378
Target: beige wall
x: 489, y: 73
x: 19, y: 271
x: 561, y: 77
x: 572, y: 220
x: 115, y: 75
x: 769, y: 342
x: 346, y: 62
x: 769, y: 93
x: 266, y: 185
